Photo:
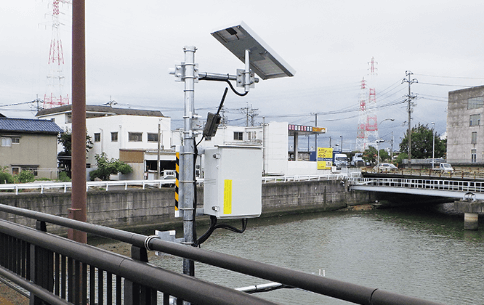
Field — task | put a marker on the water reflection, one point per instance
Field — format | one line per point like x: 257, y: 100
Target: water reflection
x: 413, y: 251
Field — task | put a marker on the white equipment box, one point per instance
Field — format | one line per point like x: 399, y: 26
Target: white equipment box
x: 233, y: 182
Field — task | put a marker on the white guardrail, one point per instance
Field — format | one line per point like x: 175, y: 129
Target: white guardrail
x: 125, y: 184
x: 430, y: 184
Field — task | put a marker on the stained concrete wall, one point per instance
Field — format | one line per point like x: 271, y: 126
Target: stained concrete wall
x: 459, y: 131
x: 134, y: 208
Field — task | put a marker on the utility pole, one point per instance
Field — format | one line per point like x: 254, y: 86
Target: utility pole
x: 410, y: 97
x: 158, y: 152
x: 316, y: 135
x: 391, y: 153
x: 249, y: 113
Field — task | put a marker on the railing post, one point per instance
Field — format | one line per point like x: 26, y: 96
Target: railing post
x: 135, y: 293
x: 41, y: 267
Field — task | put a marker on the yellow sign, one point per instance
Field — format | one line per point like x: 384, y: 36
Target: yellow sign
x: 228, y: 196
x: 325, y: 158
x: 319, y: 129
x: 325, y: 153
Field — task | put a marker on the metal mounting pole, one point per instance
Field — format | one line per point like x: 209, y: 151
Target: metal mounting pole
x: 247, y: 70
x: 187, y: 172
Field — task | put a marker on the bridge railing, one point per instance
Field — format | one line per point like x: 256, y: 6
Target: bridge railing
x: 434, y: 184
x: 66, y: 271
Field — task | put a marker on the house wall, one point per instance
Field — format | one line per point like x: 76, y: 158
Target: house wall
x: 123, y: 125
x: 459, y: 131
x: 37, y: 150
x: 275, y: 148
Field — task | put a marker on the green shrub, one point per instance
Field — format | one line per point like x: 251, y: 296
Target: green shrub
x: 108, y: 167
x: 64, y: 177
x: 6, y: 178
x: 25, y: 176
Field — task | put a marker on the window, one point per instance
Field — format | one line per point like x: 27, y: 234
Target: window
x: 135, y: 136
x: 473, y: 155
x: 152, y: 137
x: 97, y: 137
x: 252, y: 135
x: 6, y: 142
x: 475, y: 102
x: 16, y: 140
x: 114, y: 136
x: 474, y: 138
x: 239, y: 136
x: 475, y: 120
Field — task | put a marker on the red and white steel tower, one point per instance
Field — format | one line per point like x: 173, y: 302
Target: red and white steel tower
x: 55, y: 78
x: 367, y: 120
x: 361, y: 138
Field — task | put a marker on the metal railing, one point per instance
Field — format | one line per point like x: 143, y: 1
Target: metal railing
x: 106, y: 185
x: 431, y: 184
x: 299, y: 178
x: 64, y: 187
x: 76, y: 272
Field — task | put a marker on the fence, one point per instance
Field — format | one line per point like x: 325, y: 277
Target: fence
x: 58, y: 270
x: 125, y: 184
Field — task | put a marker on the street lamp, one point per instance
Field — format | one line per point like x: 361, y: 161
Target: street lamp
x: 386, y: 120
x: 389, y: 119
x: 433, y: 144
x: 378, y: 149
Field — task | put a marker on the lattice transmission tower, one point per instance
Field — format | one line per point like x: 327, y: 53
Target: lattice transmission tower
x: 361, y: 138
x: 55, y: 78
x: 372, y: 120
x: 367, y: 132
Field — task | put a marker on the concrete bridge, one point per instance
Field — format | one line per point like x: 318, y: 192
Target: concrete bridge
x: 457, y: 189
x: 468, y: 195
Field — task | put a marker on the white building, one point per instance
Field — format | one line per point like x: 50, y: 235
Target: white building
x: 131, y: 136
x: 125, y: 134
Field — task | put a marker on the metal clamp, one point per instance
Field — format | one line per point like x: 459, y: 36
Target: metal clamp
x: 147, y: 241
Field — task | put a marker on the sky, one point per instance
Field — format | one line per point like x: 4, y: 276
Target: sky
x: 130, y: 46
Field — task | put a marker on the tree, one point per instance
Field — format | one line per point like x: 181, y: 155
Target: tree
x: 106, y: 167
x: 384, y: 155
x: 422, y: 137
x: 370, y: 154
x: 400, y: 158
x: 65, y: 156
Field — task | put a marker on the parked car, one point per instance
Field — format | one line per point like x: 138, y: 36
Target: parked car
x: 387, y: 167
x: 445, y: 167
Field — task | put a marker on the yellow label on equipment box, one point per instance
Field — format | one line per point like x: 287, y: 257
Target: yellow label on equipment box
x: 227, y: 196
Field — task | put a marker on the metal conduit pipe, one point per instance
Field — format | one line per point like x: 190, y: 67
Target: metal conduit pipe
x: 182, y: 286
x: 322, y: 285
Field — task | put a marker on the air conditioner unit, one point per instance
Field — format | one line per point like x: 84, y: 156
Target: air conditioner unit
x: 233, y: 182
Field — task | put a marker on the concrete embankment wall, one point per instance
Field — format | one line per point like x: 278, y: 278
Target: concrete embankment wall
x: 137, y: 208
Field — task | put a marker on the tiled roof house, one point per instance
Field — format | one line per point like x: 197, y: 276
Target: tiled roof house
x: 29, y: 144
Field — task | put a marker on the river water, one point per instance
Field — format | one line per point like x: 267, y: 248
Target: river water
x: 411, y: 251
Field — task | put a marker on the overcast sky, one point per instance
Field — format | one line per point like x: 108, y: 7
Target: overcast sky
x: 131, y: 45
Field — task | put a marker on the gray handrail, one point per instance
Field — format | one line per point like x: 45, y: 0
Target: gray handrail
x: 321, y: 285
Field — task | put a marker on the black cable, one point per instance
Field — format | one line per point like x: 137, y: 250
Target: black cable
x: 214, y: 226
x: 235, y: 91
x: 195, y: 199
